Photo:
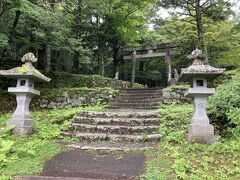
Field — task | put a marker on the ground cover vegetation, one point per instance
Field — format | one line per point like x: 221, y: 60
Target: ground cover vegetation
x: 177, y: 159
x: 27, y: 154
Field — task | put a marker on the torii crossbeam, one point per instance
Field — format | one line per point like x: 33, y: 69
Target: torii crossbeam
x: 136, y: 53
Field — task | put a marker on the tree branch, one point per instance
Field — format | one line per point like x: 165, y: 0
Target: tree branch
x: 185, y: 14
x: 190, y: 22
x: 189, y: 10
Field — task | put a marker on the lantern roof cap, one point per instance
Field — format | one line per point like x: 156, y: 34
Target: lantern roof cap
x: 199, y: 68
x: 27, y: 70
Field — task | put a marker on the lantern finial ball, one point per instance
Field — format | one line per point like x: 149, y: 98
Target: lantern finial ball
x: 197, y: 54
x: 29, y: 57
x: 198, y: 57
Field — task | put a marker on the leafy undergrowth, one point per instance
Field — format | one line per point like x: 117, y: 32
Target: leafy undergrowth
x: 224, y: 106
x: 27, y: 154
x: 178, y: 159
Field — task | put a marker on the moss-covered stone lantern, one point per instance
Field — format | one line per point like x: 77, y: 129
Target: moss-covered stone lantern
x: 25, y: 75
x: 199, y: 74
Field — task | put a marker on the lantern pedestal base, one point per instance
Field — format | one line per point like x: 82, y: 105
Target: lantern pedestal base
x: 202, y: 133
x: 21, y: 119
x: 21, y: 126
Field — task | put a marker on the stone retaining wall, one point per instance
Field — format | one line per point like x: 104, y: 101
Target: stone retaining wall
x: 73, y: 97
x: 175, y: 94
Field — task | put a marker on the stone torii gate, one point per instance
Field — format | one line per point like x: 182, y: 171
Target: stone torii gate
x: 141, y: 53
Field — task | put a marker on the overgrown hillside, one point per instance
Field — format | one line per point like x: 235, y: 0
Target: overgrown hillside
x: 177, y: 159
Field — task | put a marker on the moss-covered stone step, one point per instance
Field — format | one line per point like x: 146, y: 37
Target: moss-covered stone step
x: 129, y: 95
x: 133, y: 107
x: 116, y: 121
x: 104, y: 145
x: 119, y: 125
x: 135, y: 104
x: 148, y: 98
x: 117, y: 137
x: 114, y: 129
x: 119, y: 114
x: 143, y: 90
x: 136, y: 100
x: 141, y: 97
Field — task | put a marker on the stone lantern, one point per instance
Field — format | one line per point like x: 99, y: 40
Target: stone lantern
x: 25, y: 75
x: 199, y: 74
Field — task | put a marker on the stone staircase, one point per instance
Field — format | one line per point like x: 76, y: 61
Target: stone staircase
x: 112, y: 128
x: 129, y: 122
x: 147, y: 98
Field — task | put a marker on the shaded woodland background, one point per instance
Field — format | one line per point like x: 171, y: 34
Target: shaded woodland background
x: 88, y: 36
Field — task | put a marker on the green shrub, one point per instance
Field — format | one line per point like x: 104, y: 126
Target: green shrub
x: 223, y: 106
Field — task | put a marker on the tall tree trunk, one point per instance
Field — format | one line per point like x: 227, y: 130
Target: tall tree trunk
x: 75, y: 67
x: 57, y: 67
x: 47, y: 58
x: 32, y: 40
x: 200, y: 29
x: 12, y: 37
x: 141, y: 66
x: 76, y: 31
x: 102, y: 65
x: 115, y: 56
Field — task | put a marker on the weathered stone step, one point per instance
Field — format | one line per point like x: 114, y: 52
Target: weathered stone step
x: 132, y: 97
x: 102, y: 145
x: 113, y: 137
x: 142, y: 100
x: 132, y: 104
x: 114, y: 129
x: 117, y: 121
x: 141, y: 90
x: 150, y: 97
x: 133, y: 107
x: 119, y: 114
x: 140, y: 94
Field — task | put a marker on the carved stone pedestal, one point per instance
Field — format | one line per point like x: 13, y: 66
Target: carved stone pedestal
x: 21, y: 119
x: 200, y: 130
x: 202, y: 133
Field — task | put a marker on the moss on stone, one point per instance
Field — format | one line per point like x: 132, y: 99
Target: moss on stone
x: 73, y: 97
x: 22, y: 69
x: 61, y: 80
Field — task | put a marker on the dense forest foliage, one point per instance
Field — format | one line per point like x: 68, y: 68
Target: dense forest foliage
x: 87, y: 36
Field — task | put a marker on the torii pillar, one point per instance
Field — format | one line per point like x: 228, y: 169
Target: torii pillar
x: 133, y: 74
x: 168, y: 65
